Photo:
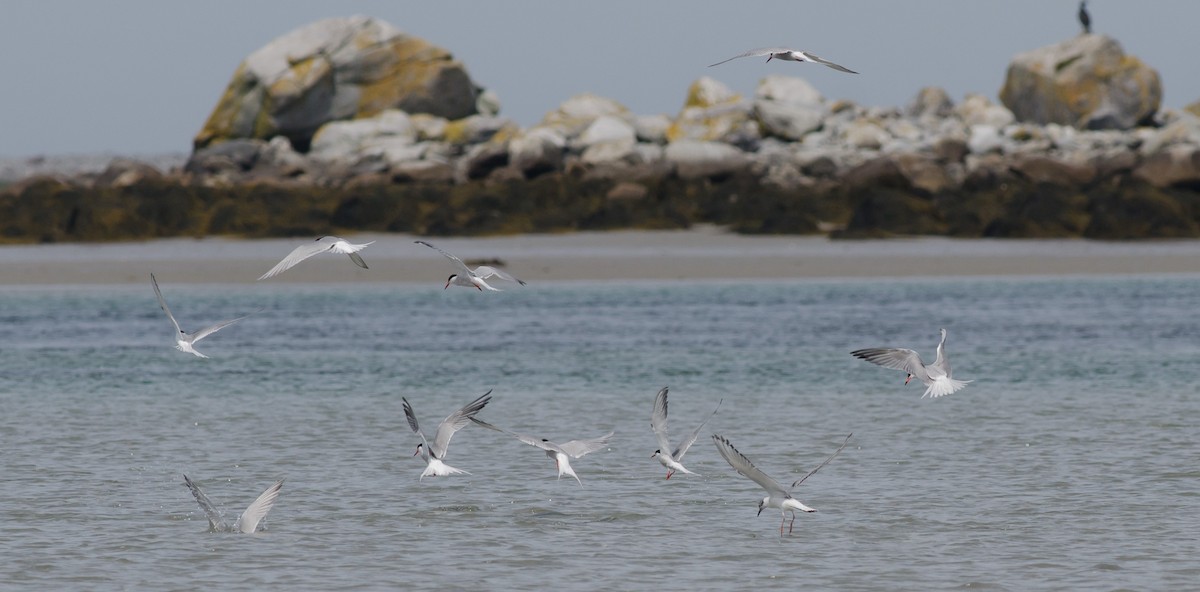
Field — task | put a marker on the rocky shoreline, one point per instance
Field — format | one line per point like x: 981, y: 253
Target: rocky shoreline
x: 1090, y: 155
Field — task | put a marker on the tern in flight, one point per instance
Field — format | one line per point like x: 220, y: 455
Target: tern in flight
x: 786, y: 54
x: 184, y: 341
x: 561, y: 453
x: 672, y: 458
x: 324, y: 244
x: 777, y: 496
x: 936, y: 376
x: 469, y: 278
x: 434, y: 452
x: 248, y: 521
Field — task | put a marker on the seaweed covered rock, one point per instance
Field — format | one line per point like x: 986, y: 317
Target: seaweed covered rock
x: 1086, y: 81
x: 338, y: 68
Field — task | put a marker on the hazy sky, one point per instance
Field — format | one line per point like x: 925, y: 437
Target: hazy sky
x: 141, y: 76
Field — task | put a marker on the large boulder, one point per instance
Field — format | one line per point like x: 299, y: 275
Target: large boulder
x: 338, y: 68
x: 1086, y: 81
x: 787, y: 107
x: 712, y: 112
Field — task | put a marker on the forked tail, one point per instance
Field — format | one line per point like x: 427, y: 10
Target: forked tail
x: 437, y: 468
x: 944, y: 385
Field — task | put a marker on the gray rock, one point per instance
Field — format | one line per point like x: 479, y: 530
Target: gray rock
x: 479, y: 128
x: 978, y: 110
x: 788, y: 89
x: 985, y: 139
x: 608, y: 129
x: 488, y: 103
x: 693, y: 159
x: 1086, y: 81
x: 578, y: 112
x: 430, y: 128
x: 234, y: 156
x: 537, y: 151
x: 651, y: 128
x: 480, y: 160
x: 930, y: 102
x: 337, y: 69
x: 1175, y: 165
x: 124, y: 172
x: 347, y: 140
x: 866, y: 135
x: 789, y: 121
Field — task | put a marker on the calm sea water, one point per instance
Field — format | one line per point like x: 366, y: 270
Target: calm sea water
x: 1071, y: 461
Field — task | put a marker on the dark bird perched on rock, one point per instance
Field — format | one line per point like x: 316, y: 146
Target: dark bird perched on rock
x: 1084, y: 18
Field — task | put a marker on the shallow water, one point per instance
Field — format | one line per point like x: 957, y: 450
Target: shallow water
x: 1069, y: 462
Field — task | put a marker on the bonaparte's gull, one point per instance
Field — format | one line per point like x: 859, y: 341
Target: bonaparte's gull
x: 248, y: 521
x: 434, y: 452
x: 787, y: 54
x: 671, y: 458
x: 184, y: 341
x: 936, y: 376
x: 561, y: 453
x: 471, y: 278
x: 777, y: 496
x: 324, y: 244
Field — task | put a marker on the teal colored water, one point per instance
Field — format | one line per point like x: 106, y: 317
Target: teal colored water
x: 1071, y: 461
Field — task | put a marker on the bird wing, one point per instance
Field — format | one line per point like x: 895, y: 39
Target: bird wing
x: 299, y: 254
x: 205, y: 332
x: 578, y: 448
x: 742, y: 465
x: 163, y: 304
x: 542, y: 443
x: 658, y: 421
x: 462, y: 267
x: 941, y: 361
x: 454, y: 422
x: 412, y: 420
x: 215, y: 521
x: 691, y: 439
x: 896, y: 358
x: 485, y: 272
x: 258, y: 509
x: 835, y: 453
x: 827, y: 63
x: 752, y: 53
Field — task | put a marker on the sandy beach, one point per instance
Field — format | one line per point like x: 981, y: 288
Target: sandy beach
x: 700, y: 253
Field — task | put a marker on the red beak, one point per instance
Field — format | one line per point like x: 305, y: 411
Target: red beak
x: 907, y: 378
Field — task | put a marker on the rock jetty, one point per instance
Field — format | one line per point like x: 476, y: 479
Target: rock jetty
x: 349, y: 124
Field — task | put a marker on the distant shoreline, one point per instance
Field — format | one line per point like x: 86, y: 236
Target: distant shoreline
x: 702, y: 253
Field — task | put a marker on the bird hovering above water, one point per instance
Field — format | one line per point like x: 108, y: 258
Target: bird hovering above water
x: 672, y: 458
x: 248, y: 521
x: 777, y: 496
x: 324, y: 244
x: 786, y: 54
x: 184, y: 341
x: 433, y: 453
x: 471, y: 278
x: 561, y: 453
x: 936, y: 376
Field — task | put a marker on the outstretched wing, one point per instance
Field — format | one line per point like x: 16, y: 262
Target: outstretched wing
x: 753, y: 53
x: 486, y: 271
x: 454, y: 422
x: 205, y: 332
x: 835, y: 453
x: 942, y: 362
x: 215, y: 521
x: 412, y: 420
x: 896, y: 358
x: 691, y: 439
x: 578, y: 448
x: 462, y: 267
x: 257, y: 510
x: 299, y: 254
x: 658, y: 421
x: 162, y: 303
x: 542, y: 443
x: 827, y: 63
x: 742, y: 465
